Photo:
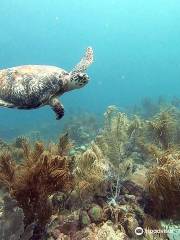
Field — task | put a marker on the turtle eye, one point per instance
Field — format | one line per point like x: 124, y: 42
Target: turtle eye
x: 81, y: 75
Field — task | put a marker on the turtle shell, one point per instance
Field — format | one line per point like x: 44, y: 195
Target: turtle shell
x: 30, y: 86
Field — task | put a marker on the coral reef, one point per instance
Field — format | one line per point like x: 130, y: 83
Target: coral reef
x: 82, y: 127
x: 100, y: 185
x: 106, y: 231
x: 116, y: 142
x: 92, y: 171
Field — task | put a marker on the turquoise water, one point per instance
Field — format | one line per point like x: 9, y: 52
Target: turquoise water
x: 136, y: 47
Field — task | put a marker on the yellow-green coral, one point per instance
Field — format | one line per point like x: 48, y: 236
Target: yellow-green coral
x: 114, y: 142
x: 163, y: 127
x: 164, y: 185
x: 91, y: 171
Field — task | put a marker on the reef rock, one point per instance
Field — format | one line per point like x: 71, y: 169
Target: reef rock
x: 130, y: 225
x: 107, y: 231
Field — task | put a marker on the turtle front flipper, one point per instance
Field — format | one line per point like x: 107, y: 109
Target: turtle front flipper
x: 57, y: 107
x: 85, y: 62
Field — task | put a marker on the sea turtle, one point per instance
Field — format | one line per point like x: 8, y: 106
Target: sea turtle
x: 33, y: 86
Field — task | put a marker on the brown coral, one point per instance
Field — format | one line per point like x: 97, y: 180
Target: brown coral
x: 37, y: 177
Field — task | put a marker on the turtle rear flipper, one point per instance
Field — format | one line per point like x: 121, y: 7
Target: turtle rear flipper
x: 85, y: 61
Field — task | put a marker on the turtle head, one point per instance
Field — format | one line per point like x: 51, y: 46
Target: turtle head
x: 78, y: 80
x: 78, y: 76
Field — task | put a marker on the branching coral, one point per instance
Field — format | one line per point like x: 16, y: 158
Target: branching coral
x: 7, y: 170
x: 114, y: 134
x: 150, y: 138
x: 37, y: 177
x: 38, y: 180
x: 114, y: 144
x: 113, y: 170
x: 64, y: 145
x: 163, y: 127
x: 164, y: 185
x: 151, y: 224
x: 91, y: 171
